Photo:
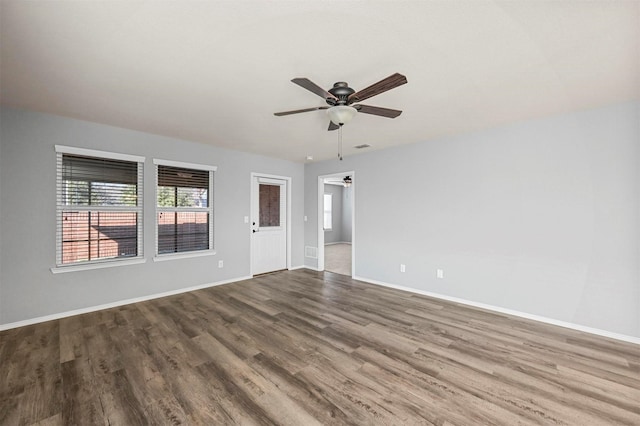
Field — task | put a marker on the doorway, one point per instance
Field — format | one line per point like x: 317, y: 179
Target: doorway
x: 336, y: 219
x: 270, y: 223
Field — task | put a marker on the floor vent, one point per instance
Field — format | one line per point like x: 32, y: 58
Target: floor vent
x: 311, y: 252
x: 364, y: 145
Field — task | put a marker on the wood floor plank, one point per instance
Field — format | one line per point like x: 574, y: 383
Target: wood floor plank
x: 302, y: 392
x: 256, y: 393
x: 306, y: 347
x: 80, y: 401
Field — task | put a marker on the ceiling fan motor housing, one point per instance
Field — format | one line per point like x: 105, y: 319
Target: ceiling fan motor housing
x: 340, y: 90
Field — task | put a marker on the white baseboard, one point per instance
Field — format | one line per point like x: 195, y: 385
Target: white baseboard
x: 293, y: 268
x: 115, y: 304
x: 313, y: 268
x: 596, y: 331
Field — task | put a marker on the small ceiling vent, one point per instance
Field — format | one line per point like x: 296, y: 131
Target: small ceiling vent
x: 364, y: 145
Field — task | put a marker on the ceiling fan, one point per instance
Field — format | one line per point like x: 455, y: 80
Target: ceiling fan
x: 341, y: 97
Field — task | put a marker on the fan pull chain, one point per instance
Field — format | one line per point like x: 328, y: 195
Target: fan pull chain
x: 340, y: 143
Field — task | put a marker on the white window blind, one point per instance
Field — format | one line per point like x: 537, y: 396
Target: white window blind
x: 327, y: 211
x: 99, y: 206
x: 184, y: 207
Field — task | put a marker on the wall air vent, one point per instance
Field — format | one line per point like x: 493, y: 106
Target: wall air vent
x: 364, y: 145
x: 311, y: 252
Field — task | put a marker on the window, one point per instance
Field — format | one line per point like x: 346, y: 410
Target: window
x: 99, y: 206
x: 270, y: 205
x: 327, y: 212
x: 184, y: 207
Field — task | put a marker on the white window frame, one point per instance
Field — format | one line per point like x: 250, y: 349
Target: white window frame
x: 210, y: 209
x: 61, y: 208
x: 325, y: 211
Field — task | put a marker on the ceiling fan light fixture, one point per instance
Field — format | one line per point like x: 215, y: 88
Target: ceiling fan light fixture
x: 341, y: 114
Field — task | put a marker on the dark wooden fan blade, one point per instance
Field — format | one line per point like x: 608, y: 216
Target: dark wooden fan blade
x: 312, y: 87
x: 388, y: 83
x: 298, y: 111
x: 383, y: 112
x: 333, y: 126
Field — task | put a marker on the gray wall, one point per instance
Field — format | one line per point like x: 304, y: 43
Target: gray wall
x: 347, y: 194
x: 27, y: 189
x: 335, y: 234
x: 1, y: 227
x: 540, y: 217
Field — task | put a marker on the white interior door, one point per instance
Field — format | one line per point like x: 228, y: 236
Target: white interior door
x: 269, y: 225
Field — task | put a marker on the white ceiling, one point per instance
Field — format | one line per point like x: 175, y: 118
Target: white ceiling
x: 215, y: 72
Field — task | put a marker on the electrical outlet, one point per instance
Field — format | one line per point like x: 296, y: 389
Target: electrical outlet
x: 403, y: 267
x: 439, y: 273
x: 246, y: 219
x: 220, y: 264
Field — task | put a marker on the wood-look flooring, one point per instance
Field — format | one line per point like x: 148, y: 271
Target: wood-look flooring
x: 304, y: 348
x: 337, y: 258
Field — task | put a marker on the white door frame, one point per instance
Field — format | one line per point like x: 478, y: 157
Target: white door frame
x: 287, y: 179
x: 321, y: 219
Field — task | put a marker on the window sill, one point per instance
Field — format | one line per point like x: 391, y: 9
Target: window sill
x: 97, y: 265
x: 163, y: 257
